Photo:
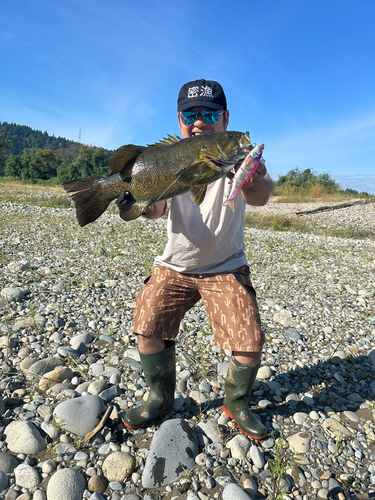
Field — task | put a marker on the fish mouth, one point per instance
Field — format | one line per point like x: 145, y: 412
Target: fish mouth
x: 221, y: 164
x: 245, y: 140
x: 224, y: 166
x: 214, y: 162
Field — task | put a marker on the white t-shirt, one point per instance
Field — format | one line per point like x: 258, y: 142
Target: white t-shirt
x: 208, y: 238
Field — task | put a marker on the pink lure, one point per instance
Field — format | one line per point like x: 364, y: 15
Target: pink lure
x: 244, y: 173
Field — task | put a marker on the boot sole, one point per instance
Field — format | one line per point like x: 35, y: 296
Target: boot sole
x: 148, y: 421
x: 247, y: 434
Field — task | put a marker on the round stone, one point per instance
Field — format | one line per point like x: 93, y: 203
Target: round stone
x: 118, y: 466
x: 97, y: 484
x: 66, y: 484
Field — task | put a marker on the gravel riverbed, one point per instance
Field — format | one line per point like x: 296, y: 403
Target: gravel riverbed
x: 67, y: 354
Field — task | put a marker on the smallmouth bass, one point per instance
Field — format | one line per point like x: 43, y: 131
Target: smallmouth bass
x: 158, y: 172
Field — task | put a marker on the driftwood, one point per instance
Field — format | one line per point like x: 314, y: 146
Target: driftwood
x: 332, y: 207
x: 100, y: 425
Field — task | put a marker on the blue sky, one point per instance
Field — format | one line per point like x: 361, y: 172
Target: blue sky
x: 299, y: 74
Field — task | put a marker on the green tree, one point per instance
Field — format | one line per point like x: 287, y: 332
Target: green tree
x: 47, y: 162
x: 13, y: 166
x: 5, y: 149
x: 306, y: 179
x: 29, y: 168
x: 328, y: 183
x: 91, y: 161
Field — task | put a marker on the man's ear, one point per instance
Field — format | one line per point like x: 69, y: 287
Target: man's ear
x: 226, y: 120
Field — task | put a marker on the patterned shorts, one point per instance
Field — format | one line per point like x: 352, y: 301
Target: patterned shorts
x: 229, y: 299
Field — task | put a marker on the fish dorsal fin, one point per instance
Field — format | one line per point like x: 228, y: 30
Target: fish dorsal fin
x: 123, y: 155
x: 198, y: 193
x: 166, y: 141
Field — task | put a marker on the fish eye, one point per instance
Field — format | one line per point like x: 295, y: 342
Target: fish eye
x: 229, y: 134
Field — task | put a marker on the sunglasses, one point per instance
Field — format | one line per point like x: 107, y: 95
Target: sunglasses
x: 210, y: 116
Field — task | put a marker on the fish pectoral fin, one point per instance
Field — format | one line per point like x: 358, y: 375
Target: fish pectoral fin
x: 130, y: 210
x: 123, y: 155
x: 193, y: 173
x: 198, y: 193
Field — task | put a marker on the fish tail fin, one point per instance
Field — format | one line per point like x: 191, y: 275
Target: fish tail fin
x: 229, y: 203
x: 86, y: 194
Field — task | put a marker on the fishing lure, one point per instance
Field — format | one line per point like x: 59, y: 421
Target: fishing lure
x: 244, y: 173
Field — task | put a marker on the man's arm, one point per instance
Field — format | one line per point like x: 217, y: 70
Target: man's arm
x: 257, y: 191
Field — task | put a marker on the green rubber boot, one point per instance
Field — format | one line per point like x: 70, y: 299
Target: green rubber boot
x: 238, y: 386
x: 160, y: 374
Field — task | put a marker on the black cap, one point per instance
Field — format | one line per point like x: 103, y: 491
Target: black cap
x: 206, y: 93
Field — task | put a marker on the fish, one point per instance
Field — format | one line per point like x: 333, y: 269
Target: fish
x: 244, y: 173
x: 160, y: 171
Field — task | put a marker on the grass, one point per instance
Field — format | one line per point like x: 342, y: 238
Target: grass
x: 12, y: 191
x: 308, y: 197
x: 32, y: 194
x: 297, y: 224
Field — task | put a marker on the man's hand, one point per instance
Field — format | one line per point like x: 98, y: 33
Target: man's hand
x: 155, y: 210
x: 257, y: 190
x: 257, y: 176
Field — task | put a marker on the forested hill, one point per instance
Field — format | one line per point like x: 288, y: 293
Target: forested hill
x: 23, y: 137
x: 32, y: 155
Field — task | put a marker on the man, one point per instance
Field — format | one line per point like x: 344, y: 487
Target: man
x: 204, y: 258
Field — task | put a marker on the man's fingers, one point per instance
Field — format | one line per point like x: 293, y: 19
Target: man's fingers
x: 259, y: 173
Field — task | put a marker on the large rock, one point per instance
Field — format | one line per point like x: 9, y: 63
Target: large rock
x: 172, y: 454
x: 59, y: 374
x: 371, y: 356
x: 66, y: 484
x: 79, y: 415
x: 43, y: 366
x: 10, y: 294
x: 300, y: 442
x: 256, y: 456
x: 38, y: 495
x: 83, y: 338
x: 285, y: 318
x: 234, y: 492
x: 118, y: 466
x: 239, y: 446
x: 210, y: 429
x: 7, y: 463
x: 3, y: 480
x: 97, y: 386
x: 56, y: 376
x: 26, y: 476
x: 97, y: 484
x: 335, y: 429
x: 24, y: 437
x: 18, y: 266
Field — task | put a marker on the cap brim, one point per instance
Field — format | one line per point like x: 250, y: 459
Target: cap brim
x: 199, y: 104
